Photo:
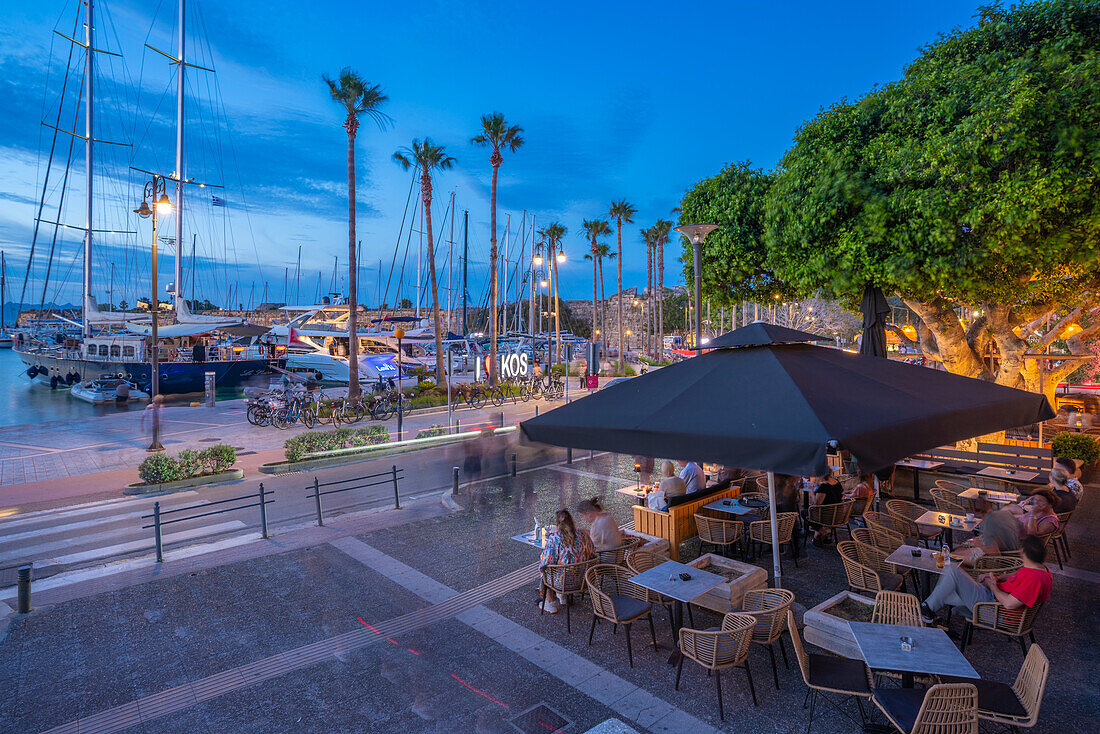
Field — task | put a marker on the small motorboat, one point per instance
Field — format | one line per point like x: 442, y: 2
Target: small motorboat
x: 5, y: 341
x: 106, y: 389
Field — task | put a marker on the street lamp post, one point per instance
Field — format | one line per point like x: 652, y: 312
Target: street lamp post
x: 161, y: 205
x: 399, y: 333
x: 696, y: 233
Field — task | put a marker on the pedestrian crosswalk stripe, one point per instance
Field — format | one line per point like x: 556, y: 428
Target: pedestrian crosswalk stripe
x: 147, y: 544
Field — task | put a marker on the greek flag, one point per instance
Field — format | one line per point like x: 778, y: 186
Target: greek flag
x: 217, y: 201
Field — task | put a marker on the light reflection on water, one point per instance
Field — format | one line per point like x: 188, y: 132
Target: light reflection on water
x: 23, y: 401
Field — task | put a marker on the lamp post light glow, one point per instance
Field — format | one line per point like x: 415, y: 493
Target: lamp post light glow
x: 162, y: 207
x: 696, y: 234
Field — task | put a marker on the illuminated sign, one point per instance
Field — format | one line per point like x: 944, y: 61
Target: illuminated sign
x: 513, y: 365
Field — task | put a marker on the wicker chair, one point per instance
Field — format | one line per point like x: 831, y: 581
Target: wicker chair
x: 1015, y: 705
x: 863, y: 535
x: 619, y: 601
x: 863, y: 577
x: 952, y: 487
x: 949, y: 502
x: 885, y: 540
x: 905, y: 514
x: 991, y: 484
x: 999, y: 566
x: 826, y: 674
x: 769, y: 607
x: 566, y: 579
x: 1058, y: 537
x: 719, y: 533
x: 897, y: 607
x: 762, y: 484
x: 945, y: 708
x: 718, y: 650
x: 832, y: 516
x: 617, y: 556
x: 760, y: 533
x: 883, y: 520
x: 992, y: 615
x: 641, y: 560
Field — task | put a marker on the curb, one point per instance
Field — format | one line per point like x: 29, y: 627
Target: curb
x: 163, y: 487
x: 367, y: 453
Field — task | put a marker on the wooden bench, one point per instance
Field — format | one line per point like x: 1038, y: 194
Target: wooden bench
x: 677, y: 524
x: 1003, y: 456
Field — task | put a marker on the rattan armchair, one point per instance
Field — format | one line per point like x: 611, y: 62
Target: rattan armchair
x: 863, y: 535
x: 897, y: 607
x: 1059, y: 537
x: 566, y: 579
x: 719, y: 533
x: 999, y: 566
x: 832, y: 516
x: 905, y: 514
x: 952, y: 487
x: 769, y: 607
x: 991, y: 484
x: 992, y: 615
x: 886, y: 540
x: 1015, y: 705
x: 883, y: 520
x: 618, y: 555
x: 718, y: 650
x: 827, y: 674
x: 761, y: 512
x: 618, y: 600
x: 760, y: 533
x: 949, y: 502
x: 863, y: 577
x: 945, y: 708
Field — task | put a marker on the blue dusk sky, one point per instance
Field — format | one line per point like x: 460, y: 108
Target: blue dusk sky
x: 618, y: 100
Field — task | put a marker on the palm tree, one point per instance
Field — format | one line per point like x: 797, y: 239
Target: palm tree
x: 595, y: 228
x: 496, y: 134
x: 429, y: 157
x: 554, y: 232
x: 660, y: 233
x: 622, y: 212
x: 602, y: 252
x: 358, y: 100
x: 648, y: 238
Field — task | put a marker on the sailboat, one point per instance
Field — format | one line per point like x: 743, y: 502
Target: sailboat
x: 5, y: 337
x: 120, y: 345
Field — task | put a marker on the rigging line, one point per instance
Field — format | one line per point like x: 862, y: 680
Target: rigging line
x: 405, y: 257
x: 61, y: 283
x: 49, y: 164
x: 61, y: 201
x: 393, y: 261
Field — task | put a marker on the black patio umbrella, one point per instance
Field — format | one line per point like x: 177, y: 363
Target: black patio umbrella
x: 876, y: 312
x: 778, y: 407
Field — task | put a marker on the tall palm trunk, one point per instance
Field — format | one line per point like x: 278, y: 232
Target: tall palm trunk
x: 595, y: 287
x: 352, y: 125
x: 660, y: 300
x: 495, y: 159
x: 426, y: 197
x: 619, y: 265
x: 649, y: 297
x: 603, y: 301
x: 557, y: 312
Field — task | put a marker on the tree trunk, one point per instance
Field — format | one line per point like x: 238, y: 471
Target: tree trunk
x: 660, y: 300
x: 619, y: 265
x: 557, y: 311
x: 426, y: 194
x: 352, y: 125
x: 603, y: 305
x: 595, y: 292
x: 649, y: 322
x: 495, y: 160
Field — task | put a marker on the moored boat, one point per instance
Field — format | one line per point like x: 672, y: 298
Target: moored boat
x: 106, y: 390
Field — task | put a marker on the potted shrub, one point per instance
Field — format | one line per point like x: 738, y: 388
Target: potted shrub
x: 1081, y: 447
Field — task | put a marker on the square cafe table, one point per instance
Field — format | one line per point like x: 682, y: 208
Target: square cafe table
x: 916, y: 465
x: 944, y: 520
x: 933, y: 651
x: 733, y: 507
x: 680, y: 591
x: 924, y: 564
x: 637, y: 491
x: 528, y: 538
x: 1000, y: 498
x: 1011, y: 475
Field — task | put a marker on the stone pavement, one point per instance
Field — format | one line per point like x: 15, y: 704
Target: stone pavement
x: 425, y: 620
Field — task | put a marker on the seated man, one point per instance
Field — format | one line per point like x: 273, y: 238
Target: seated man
x: 1029, y: 586
x: 693, y: 476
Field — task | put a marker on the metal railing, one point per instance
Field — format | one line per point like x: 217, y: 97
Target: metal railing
x: 262, y: 502
x: 394, y: 476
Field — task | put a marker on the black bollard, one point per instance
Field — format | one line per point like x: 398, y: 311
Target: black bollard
x: 24, y: 583
x: 454, y: 480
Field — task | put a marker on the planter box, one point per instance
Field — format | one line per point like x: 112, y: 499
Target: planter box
x: 227, y: 476
x: 652, y: 543
x: 831, y: 632
x: 729, y: 596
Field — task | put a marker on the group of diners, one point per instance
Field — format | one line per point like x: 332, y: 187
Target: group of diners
x: 567, y: 544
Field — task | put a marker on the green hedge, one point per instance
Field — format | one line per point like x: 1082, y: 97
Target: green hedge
x: 160, y: 468
x: 434, y: 430
x: 313, y: 441
x: 1075, y: 446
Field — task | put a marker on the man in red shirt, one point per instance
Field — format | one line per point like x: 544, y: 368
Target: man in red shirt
x: 1029, y: 586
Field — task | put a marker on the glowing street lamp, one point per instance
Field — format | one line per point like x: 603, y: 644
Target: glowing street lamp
x: 696, y: 234
x: 162, y: 207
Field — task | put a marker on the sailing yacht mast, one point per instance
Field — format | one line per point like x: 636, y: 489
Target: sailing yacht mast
x: 89, y: 79
x: 182, y: 65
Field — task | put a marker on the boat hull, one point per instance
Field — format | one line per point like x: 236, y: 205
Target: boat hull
x: 175, y: 377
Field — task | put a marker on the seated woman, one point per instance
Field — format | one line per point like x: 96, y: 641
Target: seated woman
x: 864, y: 489
x: 564, y: 544
x: 827, y: 492
x: 1029, y: 586
x: 602, y: 528
x: 1035, y: 515
x: 670, y: 486
x: 999, y: 534
x: 1059, y: 485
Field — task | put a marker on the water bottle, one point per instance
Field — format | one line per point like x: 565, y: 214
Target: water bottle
x: 535, y: 534
x: 946, y: 555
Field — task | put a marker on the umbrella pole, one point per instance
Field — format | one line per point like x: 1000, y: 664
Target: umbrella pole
x: 777, y: 570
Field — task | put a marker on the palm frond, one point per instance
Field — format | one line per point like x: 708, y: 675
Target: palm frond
x: 623, y: 210
x: 496, y: 133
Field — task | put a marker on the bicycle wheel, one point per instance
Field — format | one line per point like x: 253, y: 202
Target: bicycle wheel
x: 253, y: 414
x: 497, y: 396
x: 309, y: 415
x: 337, y: 414
x: 353, y: 413
x: 279, y: 418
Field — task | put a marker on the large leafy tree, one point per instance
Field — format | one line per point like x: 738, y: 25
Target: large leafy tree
x: 428, y: 157
x: 358, y: 99
x: 622, y: 211
x: 495, y: 134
